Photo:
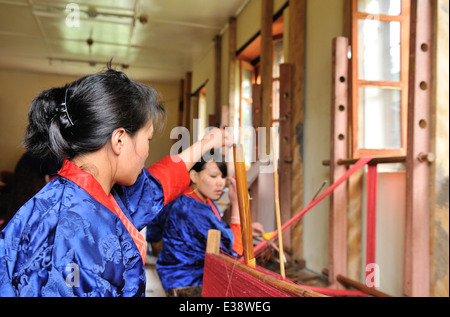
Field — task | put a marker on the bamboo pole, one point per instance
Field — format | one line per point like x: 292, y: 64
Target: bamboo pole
x: 277, y: 208
x: 349, y: 282
x: 244, y: 204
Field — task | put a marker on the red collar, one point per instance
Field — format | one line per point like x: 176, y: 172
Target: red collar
x: 191, y: 193
x: 87, y: 182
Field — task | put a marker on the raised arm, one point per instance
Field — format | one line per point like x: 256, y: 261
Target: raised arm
x: 215, y: 139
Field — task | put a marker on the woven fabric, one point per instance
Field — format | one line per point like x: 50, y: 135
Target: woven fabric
x: 222, y: 279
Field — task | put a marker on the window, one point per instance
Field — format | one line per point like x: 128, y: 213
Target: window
x: 198, y: 101
x: 249, y: 61
x: 247, y: 132
x: 278, y: 58
x: 380, y: 49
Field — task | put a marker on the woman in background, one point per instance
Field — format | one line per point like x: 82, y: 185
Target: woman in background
x: 183, y: 226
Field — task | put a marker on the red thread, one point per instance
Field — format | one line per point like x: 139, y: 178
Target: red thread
x: 223, y: 279
x: 237, y: 283
x: 371, y: 219
x: 363, y: 161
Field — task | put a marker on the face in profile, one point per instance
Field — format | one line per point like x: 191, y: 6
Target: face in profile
x: 134, y: 155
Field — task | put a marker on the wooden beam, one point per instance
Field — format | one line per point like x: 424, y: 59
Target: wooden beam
x: 225, y: 117
x: 266, y: 67
x: 337, y: 257
x: 417, y: 239
x: 231, y: 69
x: 375, y: 160
x: 181, y: 107
x: 285, y: 147
x: 217, y: 80
x: 187, y: 100
x: 351, y: 283
x: 296, y: 57
x: 213, y: 241
x: 256, y: 115
x: 256, y: 121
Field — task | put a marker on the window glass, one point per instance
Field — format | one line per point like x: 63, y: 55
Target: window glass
x: 247, y: 131
x: 378, y: 50
x: 379, y: 118
x: 278, y: 57
x: 388, y: 7
x: 247, y: 135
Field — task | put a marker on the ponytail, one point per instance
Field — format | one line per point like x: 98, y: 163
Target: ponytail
x: 43, y: 135
x: 80, y: 117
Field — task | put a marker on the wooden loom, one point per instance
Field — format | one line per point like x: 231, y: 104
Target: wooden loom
x: 225, y: 276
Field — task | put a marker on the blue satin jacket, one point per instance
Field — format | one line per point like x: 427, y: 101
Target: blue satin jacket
x: 65, y: 242
x: 183, y: 226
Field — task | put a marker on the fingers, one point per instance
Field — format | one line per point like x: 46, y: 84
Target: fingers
x: 257, y: 229
x: 231, y: 180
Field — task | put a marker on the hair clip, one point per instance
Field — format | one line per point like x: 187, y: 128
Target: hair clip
x: 64, y: 108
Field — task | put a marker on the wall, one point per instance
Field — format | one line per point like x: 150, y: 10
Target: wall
x: 203, y: 71
x: 321, y: 27
x: 161, y: 143
x: 17, y: 90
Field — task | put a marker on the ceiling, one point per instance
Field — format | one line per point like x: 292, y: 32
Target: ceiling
x: 149, y: 39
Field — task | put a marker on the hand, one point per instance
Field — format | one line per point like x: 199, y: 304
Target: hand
x: 232, y: 191
x: 218, y: 138
x: 232, y: 195
x: 257, y: 229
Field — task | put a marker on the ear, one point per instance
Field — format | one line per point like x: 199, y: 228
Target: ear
x: 194, y: 176
x: 118, y: 140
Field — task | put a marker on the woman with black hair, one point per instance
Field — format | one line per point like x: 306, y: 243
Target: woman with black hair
x: 183, y: 227
x: 79, y: 236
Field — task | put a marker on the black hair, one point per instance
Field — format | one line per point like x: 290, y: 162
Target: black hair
x: 81, y: 116
x: 218, y: 158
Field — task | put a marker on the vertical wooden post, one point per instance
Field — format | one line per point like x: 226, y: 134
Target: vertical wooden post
x: 256, y: 115
x: 256, y: 121
x: 278, y: 213
x: 231, y: 69
x: 266, y: 68
x: 224, y: 122
x: 244, y: 204
x: 417, y: 240
x: 181, y: 104
x: 296, y: 57
x: 285, y: 148
x: 338, y: 149
x: 187, y: 100
x: 213, y: 241
x: 217, y: 80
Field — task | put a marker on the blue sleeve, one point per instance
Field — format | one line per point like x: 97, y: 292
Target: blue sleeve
x: 143, y: 201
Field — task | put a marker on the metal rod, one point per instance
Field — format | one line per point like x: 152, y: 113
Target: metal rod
x: 375, y: 160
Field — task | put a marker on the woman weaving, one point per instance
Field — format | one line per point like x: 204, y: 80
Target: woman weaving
x: 184, y: 223
x: 79, y: 236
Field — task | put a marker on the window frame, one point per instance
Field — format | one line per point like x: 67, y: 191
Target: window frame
x: 402, y: 84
